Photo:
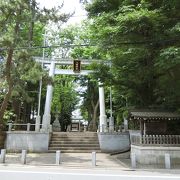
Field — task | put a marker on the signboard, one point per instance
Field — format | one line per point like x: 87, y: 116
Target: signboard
x: 77, y: 66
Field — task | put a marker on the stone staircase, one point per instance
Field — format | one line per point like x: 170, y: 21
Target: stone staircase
x: 74, y: 142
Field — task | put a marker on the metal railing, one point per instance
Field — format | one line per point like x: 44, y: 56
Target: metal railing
x: 155, y: 139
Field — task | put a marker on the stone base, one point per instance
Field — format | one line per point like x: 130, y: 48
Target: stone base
x: 155, y: 154
x: 113, y: 142
x: 16, y: 141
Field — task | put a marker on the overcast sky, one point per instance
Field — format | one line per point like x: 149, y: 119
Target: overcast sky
x: 69, y: 7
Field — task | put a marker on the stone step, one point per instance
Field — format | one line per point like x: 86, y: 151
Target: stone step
x: 74, y: 142
x: 74, y: 148
x: 74, y: 145
x: 75, y: 151
x: 75, y: 133
x: 69, y: 137
x: 74, y: 136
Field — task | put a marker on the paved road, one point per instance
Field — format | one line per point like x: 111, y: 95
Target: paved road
x: 54, y: 173
x: 80, y: 160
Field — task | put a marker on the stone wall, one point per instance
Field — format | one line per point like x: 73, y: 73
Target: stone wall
x: 155, y: 154
x: 113, y: 142
x: 26, y: 140
x: 2, y: 139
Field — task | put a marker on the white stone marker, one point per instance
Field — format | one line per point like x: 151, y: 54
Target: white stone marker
x: 23, y: 156
x: 133, y: 160
x: 167, y: 161
x: 3, y: 156
x: 58, y: 157
x: 94, y: 159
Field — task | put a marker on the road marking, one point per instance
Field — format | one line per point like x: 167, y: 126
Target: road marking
x: 90, y: 174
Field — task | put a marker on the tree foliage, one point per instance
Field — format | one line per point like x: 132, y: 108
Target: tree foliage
x: 65, y: 99
x: 21, y: 28
x: 141, y: 37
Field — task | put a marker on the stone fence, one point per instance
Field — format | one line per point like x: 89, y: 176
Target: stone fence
x: 26, y: 127
x: 163, y: 140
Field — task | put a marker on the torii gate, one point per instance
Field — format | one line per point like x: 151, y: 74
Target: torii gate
x: 52, y: 71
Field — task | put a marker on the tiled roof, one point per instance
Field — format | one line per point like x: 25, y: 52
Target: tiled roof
x: 153, y: 115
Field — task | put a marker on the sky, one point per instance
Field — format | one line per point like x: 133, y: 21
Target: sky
x: 69, y: 7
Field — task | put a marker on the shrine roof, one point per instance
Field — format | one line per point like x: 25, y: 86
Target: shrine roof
x: 153, y: 115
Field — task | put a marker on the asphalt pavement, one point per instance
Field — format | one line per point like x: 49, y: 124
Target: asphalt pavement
x: 79, y: 166
x: 81, y: 160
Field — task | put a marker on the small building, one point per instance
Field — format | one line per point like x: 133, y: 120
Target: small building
x: 154, y: 122
x: 154, y: 134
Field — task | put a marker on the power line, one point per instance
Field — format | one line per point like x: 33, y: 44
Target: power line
x: 50, y: 47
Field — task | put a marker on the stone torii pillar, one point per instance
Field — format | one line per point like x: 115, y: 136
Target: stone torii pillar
x: 47, y: 110
x: 102, y: 117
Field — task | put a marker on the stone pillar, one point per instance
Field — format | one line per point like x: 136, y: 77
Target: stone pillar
x: 133, y: 160
x: 125, y: 124
x: 102, y: 117
x: 37, y: 125
x: 111, y: 124
x: 47, y: 110
x: 94, y: 159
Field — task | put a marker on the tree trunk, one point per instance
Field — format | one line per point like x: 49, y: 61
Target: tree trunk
x: 17, y: 109
x: 95, y: 108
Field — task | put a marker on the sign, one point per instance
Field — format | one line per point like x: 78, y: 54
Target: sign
x: 77, y: 66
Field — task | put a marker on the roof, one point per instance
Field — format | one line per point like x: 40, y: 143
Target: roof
x: 153, y: 115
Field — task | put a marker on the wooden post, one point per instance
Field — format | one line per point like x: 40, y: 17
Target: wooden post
x: 160, y: 139
x: 144, y: 128
x: 141, y: 127
x: 79, y: 125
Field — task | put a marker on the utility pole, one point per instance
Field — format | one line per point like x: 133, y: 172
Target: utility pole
x: 111, y: 118
x: 38, y: 117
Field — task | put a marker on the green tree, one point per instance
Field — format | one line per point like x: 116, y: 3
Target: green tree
x: 19, y: 20
x: 65, y: 99
x: 141, y: 38
x: 76, y: 40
